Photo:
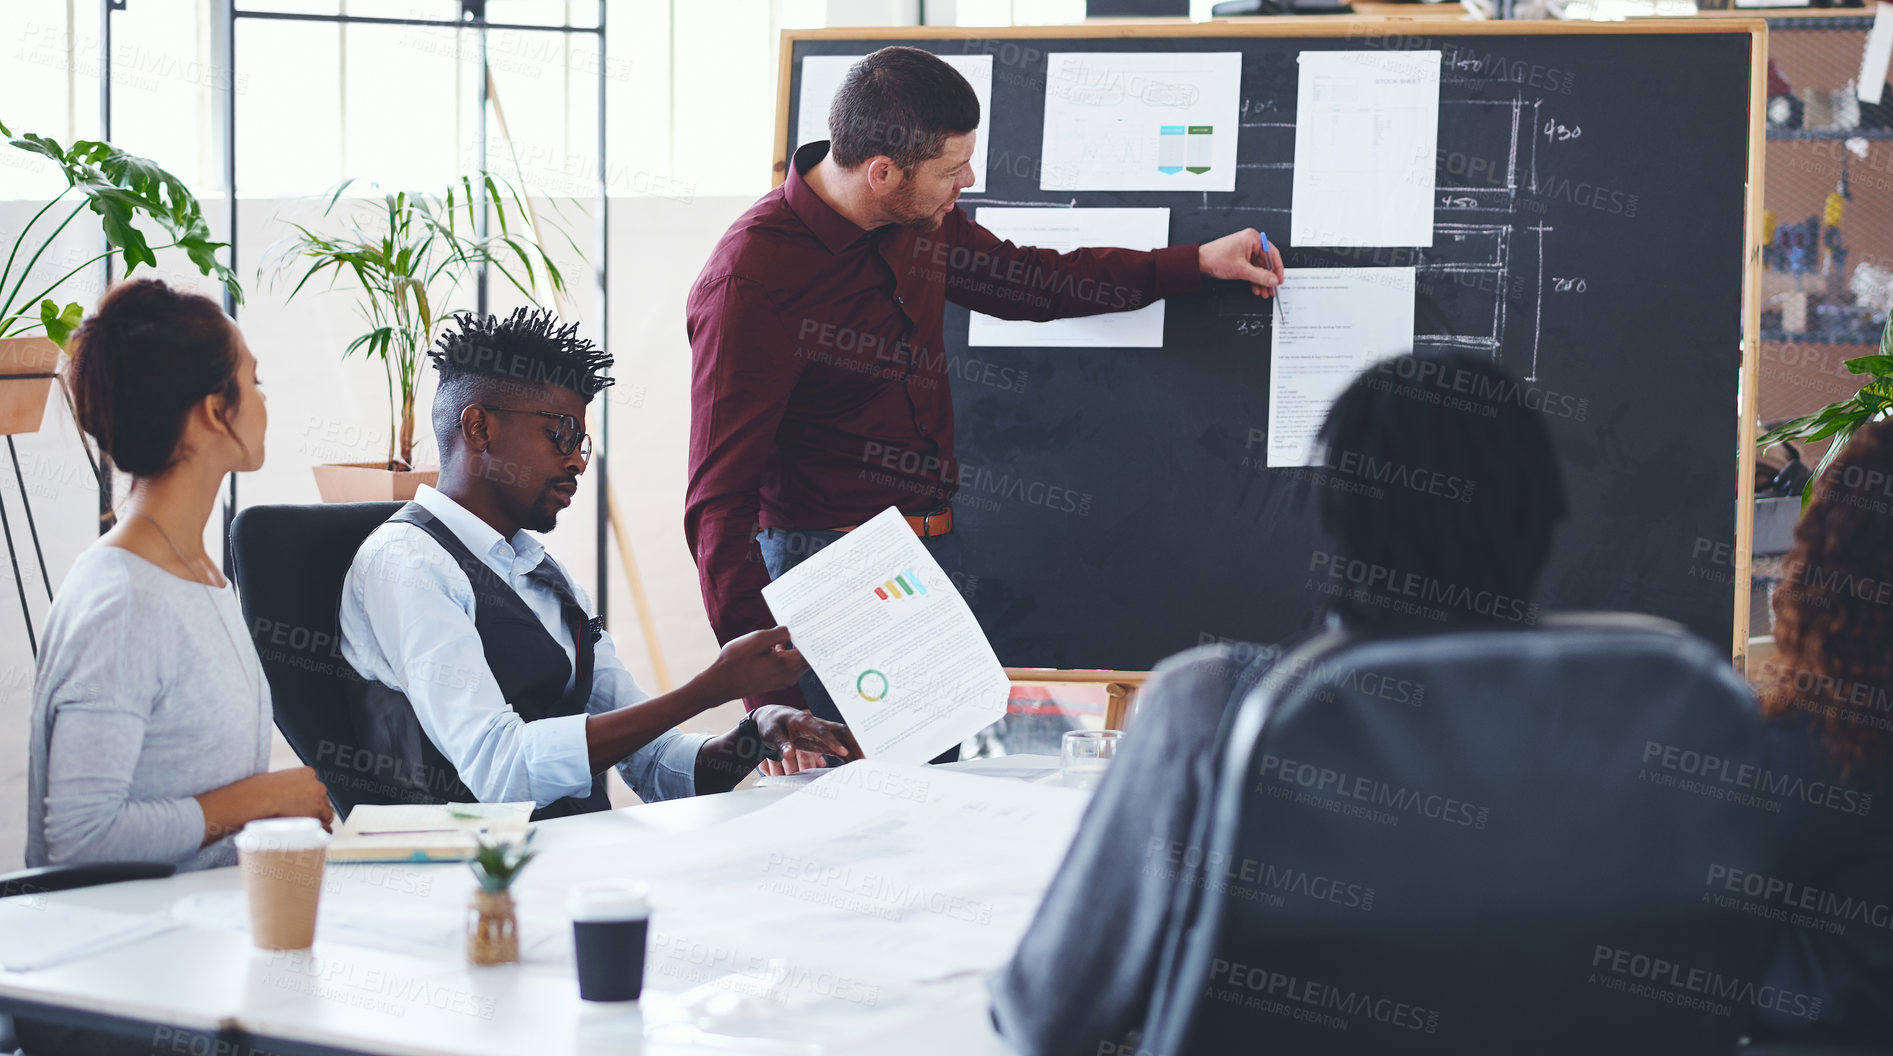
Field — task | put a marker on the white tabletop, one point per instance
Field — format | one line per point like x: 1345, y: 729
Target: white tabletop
x: 204, y: 977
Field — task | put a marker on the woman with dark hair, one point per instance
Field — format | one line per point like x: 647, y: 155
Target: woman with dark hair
x: 1828, y: 696
x: 150, y: 730
x: 1482, y: 518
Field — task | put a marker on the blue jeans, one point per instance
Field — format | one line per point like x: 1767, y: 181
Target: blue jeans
x: 783, y: 549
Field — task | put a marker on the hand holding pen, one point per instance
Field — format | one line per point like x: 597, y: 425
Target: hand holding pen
x: 1272, y: 260
x: 1244, y: 256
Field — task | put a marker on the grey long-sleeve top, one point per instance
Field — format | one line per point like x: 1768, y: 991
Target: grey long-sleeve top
x: 147, y: 692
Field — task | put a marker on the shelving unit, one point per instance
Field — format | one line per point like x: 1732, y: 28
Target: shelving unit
x: 1822, y: 133
x: 1815, y: 338
x: 1820, y: 50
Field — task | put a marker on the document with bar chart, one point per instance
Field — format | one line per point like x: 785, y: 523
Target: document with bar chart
x: 1141, y: 122
x: 892, y: 641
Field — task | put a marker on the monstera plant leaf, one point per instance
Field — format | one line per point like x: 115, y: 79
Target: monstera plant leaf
x: 121, y: 189
x: 59, y: 322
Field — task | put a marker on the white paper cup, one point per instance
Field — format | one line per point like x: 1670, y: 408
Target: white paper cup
x: 282, y: 861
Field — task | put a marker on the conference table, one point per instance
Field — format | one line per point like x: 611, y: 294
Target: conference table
x: 204, y: 990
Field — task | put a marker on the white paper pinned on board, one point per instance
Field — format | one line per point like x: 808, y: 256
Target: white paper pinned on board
x: 1064, y: 230
x: 822, y: 76
x: 1153, y: 121
x: 1366, y: 143
x: 1332, y: 323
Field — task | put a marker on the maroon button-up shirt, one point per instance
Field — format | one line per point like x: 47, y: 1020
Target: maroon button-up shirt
x: 820, y: 387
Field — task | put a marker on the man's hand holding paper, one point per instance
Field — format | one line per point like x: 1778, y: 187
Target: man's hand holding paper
x: 892, y: 641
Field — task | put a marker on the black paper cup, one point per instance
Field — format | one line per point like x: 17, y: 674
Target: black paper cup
x: 610, y: 924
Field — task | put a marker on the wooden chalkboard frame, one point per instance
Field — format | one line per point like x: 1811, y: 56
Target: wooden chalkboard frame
x: 1318, y: 27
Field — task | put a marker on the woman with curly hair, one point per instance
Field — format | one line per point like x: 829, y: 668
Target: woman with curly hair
x: 1828, y: 696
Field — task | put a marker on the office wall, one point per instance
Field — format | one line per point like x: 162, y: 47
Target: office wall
x: 324, y: 409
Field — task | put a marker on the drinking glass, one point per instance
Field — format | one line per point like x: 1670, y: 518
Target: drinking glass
x: 1084, y: 755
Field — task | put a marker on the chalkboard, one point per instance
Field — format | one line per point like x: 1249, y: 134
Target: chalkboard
x: 1589, y: 235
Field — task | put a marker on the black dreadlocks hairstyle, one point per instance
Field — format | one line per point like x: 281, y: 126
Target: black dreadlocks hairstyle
x: 1458, y: 483
x: 481, y: 356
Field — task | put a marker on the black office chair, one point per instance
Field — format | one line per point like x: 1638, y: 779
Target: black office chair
x: 290, y: 563
x: 51, y: 878
x: 1526, y: 836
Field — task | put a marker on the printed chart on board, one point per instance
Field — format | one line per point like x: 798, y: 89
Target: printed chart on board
x: 1152, y: 122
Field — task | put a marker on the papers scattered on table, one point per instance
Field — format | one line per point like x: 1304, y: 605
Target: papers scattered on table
x: 875, y: 878
x: 892, y: 641
x: 1032, y: 768
x: 822, y: 76
x: 36, y: 933
x: 1332, y: 323
x: 760, y: 1010
x: 1366, y: 136
x: 1153, y: 121
x: 426, y: 832
x: 1065, y: 230
x: 1029, y: 774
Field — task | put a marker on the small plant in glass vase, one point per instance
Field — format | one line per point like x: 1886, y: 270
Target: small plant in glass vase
x: 492, y: 922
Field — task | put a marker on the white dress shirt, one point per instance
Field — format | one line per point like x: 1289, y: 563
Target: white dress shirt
x: 407, y: 622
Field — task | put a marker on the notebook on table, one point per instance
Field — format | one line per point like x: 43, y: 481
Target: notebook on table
x: 426, y: 832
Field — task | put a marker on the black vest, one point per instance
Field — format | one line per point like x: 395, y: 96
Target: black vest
x: 526, y: 661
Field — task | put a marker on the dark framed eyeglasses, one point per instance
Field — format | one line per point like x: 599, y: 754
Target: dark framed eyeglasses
x: 568, y: 436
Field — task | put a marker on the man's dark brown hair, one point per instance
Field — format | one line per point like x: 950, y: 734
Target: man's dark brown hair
x: 900, y: 102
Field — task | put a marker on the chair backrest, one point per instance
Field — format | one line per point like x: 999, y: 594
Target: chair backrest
x: 290, y: 562
x: 1490, y: 841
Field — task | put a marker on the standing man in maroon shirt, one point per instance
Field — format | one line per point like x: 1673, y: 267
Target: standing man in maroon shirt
x: 819, y: 388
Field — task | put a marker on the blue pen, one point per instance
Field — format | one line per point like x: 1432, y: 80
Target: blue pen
x: 1264, y: 235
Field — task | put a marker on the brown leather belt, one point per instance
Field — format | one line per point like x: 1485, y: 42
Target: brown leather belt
x: 925, y: 525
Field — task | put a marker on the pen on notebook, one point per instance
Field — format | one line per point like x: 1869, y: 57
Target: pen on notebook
x: 1264, y: 236
x: 481, y: 831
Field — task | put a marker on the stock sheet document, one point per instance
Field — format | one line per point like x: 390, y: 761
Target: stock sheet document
x: 1153, y: 121
x: 1366, y: 140
x: 822, y: 76
x: 892, y: 641
x: 1330, y: 323
x: 1065, y: 230
x: 871, y: 891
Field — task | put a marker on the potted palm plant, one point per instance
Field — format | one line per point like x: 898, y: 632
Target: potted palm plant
x: 407, y: 254
x: 119, y: 188
x: 1838, y: 422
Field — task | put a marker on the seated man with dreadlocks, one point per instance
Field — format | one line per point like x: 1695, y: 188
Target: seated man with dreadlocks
x: 483, y: 675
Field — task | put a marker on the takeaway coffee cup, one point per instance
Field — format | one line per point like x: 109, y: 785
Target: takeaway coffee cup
x: 610, y: 922
x: 282, y: 860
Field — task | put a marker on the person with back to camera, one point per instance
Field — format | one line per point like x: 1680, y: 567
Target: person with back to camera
x: 150, y: 731
x: 1828, y: 696
x: 1074, y: 988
